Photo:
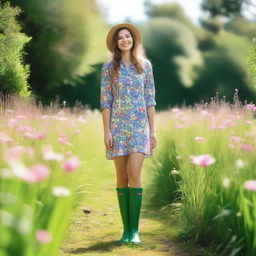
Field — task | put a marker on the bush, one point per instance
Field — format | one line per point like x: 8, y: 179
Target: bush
x: 13, y: 72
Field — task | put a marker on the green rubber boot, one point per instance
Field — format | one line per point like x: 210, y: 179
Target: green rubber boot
x: 135, y: 198
x: 123, y: 200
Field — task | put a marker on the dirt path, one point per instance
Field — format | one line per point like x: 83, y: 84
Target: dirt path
x: 97, y: 233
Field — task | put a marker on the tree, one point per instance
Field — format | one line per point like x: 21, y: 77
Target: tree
x: 13, y: 72
x: 223, y: 7
x: 236, y: 13
x: 64, y: 44
x: 167, y: 10
x: 174, y: 59
x: 225, y: 69
x: 240, y: 26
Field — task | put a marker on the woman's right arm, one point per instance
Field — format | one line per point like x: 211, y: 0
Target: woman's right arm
x: 108, y: 141
x: 106, y: 100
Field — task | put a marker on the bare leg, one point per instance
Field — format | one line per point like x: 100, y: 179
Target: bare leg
x: 135, y: 163
x: 121, y: 171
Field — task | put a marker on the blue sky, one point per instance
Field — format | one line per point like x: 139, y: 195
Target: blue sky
x: 117, y: 10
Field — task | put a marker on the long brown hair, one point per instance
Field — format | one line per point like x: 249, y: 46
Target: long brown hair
x: 137, y: 54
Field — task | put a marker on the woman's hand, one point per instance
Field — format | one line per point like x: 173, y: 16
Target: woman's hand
x: 108, y: 141
x: 153, y: 140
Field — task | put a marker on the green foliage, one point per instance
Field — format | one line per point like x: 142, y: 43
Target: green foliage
x: 234, y: 20
x: 64, y: 42
x: 167, y: 10
x: 174, y: 59
x: 213, y: 25
x: 252, y: 58
x: 163, y: 175
x: 85, y: 92
x: 247, y: 207
x: 240, y: 26
x: 13, y: 72
x: 225, y: 69
x: 251, y: 67
x: 223, y: 7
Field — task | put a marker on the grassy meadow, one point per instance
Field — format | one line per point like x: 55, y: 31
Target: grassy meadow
x: 206, y: 171
x: 199, y: 184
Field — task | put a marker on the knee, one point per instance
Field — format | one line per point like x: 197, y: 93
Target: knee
x: 134, y: 176
x: 123, y: 175
x: 122, y: 182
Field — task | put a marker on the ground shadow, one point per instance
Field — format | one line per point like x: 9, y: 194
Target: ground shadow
x: 100, y: 246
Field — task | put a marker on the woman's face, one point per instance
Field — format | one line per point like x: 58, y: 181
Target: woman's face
x: 124, y: 40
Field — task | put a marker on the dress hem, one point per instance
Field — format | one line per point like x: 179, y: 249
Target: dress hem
x: 127, y: 153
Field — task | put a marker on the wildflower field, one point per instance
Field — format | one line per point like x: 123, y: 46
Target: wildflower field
x: 202, y: 173
x: 41, y: 168
x: 205, y: 174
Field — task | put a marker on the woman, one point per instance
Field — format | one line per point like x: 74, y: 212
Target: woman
x: 127, y: 99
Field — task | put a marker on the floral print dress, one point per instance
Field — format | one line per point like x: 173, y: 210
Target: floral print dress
x: 128, y: 100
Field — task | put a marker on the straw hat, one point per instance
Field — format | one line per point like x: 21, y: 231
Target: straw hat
x: 112, y: 31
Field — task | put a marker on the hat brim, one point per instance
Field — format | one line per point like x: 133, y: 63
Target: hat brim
x: 112, y: 31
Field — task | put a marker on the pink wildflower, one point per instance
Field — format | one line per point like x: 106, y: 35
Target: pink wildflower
x: 43, y: 236
x: 4, y: 138
x: 235, y: 139
x: 202, y: 160
x: 29, y: 135
x: 39, y: 136
x: 63, y: 139
x: 250, y: 185
x: 71, y: 164
x: 35, y: 174
x: 12, y: 122
x: 24, y: 128
x: 246, y: 147
x: 250, y: 106
x: 249, y: 122
x: 200, y: 138
x: 77, y: 131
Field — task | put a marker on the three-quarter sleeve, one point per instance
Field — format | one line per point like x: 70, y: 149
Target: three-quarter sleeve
x: 149, y: 86
x: 106, y: 96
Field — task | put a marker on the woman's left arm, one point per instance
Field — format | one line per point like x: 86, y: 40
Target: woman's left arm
x: 152, y: 127
x: 149, y: 95
x: 151, y: 119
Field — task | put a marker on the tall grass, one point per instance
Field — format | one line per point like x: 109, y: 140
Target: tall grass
x: 40, y: 175
x: 214, y: 204
x: 162, y: 183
